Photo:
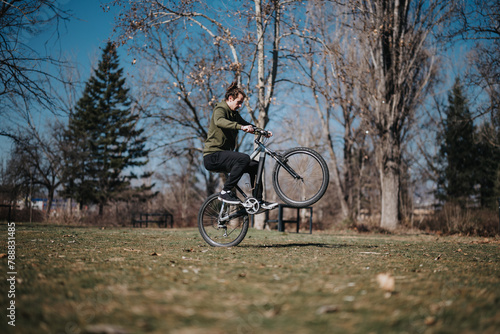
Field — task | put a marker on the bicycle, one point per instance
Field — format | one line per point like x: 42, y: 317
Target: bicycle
x: 300, y: 178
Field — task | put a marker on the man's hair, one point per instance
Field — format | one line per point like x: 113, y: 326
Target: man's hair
x: 234, y: 91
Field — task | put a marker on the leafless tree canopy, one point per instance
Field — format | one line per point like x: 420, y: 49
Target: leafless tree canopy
x: 357, y: 72
x: 23, y: 77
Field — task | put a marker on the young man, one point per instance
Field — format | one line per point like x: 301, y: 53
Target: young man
x: 219, y: 155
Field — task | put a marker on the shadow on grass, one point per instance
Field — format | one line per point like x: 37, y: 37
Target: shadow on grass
x: 307, y: 244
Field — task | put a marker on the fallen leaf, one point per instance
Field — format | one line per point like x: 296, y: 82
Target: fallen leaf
x: 3, y: 255
x: 386, y: 282
x: 327, y: 309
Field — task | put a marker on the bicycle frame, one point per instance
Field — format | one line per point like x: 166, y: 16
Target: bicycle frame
x: 296, y: 190
x: 263, y: 151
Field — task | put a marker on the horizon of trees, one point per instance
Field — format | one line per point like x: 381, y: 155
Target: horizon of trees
x: 364, y: 79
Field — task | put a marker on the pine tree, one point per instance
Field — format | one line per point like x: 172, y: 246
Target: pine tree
x: 489, y: 161
x: 487, y: 169
x: 457, y: 151
x: 103, y: 139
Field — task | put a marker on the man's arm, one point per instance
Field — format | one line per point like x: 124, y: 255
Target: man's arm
x: 221, y: 120
x: 241, y: 121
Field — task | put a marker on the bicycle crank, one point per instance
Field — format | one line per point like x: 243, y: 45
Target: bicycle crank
x: 251, y: 205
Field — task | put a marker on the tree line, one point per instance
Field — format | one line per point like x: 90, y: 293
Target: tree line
x: 357, y: 78
x: 91, y: 158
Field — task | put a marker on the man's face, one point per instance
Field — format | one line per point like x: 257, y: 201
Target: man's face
x: 235, y: 104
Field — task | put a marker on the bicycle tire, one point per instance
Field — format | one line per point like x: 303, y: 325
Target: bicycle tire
x: 313, y: 182
x: 210, y: 228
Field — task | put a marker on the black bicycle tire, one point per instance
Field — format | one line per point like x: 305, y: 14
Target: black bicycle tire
x: 324, y: 183
x: 206, y: 236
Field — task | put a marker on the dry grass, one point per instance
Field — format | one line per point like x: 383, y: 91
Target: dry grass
x: 112, y: 280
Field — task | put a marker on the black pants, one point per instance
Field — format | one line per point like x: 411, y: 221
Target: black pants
x: 236, y: 164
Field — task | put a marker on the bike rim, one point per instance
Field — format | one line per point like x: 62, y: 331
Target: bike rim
x: 226, y: 233
x: 311, y: 184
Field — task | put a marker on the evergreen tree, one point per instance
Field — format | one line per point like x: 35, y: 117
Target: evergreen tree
x: 102, y: 140
x: 496, y: 127
x: 487, y: 169
x: 489, y: 160
x: 457, y: 152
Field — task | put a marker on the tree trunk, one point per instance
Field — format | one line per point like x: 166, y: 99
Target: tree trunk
x: 389, y: 180
x: 389, y: 157
x: 263, y: 103
x: 50, y: 200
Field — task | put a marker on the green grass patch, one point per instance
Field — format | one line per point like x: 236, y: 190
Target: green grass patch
x: 90, y: 280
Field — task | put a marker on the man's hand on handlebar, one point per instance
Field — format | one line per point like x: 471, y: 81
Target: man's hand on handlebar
x: 248, y: 128
x: 269, y: 134
x: 251, y: 129
x: 263, y: 132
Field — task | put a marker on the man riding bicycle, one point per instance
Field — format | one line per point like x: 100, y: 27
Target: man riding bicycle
x: 219, y: 154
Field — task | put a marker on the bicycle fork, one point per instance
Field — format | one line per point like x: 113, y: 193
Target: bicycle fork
x: 280, y: 160
x: 221, y: 219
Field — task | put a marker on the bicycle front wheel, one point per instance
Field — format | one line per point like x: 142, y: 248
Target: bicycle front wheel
x: 310, y: 181
x: 222, y: 224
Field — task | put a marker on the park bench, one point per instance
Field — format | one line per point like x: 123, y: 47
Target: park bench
x: 153, y: 217
x: 281, y: 221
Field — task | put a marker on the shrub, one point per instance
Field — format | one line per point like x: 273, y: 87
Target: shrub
x: 455, y: 219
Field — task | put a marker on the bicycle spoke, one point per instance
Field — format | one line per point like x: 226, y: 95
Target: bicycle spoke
x: 311, y: 177
x: 218, y: 224
x: 312, y: 181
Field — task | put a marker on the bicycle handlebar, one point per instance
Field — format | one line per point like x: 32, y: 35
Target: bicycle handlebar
x: 260, y: 132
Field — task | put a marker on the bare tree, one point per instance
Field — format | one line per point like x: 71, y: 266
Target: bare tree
x: 328, y: 59
x: 372, y: 63
x: 23, y: 77
x: 241, y: 47
x: 39, y: 161
x: 382, y: 65
x: 199, y: 49
x: 479, y: 23
x: 400, y: 65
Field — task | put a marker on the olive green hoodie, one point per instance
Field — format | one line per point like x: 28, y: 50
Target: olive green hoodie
x: 223, y: 130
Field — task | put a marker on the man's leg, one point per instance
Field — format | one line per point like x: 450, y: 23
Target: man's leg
x: 235, y: 163
x: 231, y: 162
x: 252, y: 170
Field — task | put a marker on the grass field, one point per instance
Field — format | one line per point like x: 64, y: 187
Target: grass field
x: 91, y: 280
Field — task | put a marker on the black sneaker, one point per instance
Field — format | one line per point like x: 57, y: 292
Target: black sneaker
x: 228, y: 197
x: 268, y: 205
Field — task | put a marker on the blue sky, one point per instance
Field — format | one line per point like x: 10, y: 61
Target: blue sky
x: 81, y: 38
x: 84, y: 34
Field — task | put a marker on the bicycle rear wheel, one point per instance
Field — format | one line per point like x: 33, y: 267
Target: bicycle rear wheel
x: 312, y: 180
x: 222, y: 224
